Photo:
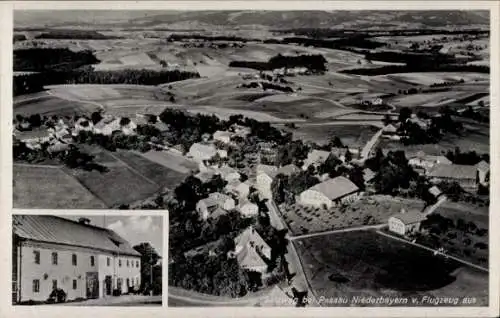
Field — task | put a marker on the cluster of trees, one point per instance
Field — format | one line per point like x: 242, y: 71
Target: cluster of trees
x: 457, y: 236
x: 293, y: 152
x: 482, y: 115
x: 151, y: 270
x: 18, y: 38
x: 214, y: 274
x: 393, y: 173
x: 30, y: 83
x: 466, y: 158
x: 412, y: 133
x: 447, y: 83
x: 355, y: 41
x: 284, y: 188
x: 75, y: 35
x: 313, y: 62
x: 53, y: 59
x: 415, y: 67
x: 73, y: 157
x: 331, y: 33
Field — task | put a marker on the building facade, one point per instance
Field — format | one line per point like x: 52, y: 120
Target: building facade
x: 83, y: 260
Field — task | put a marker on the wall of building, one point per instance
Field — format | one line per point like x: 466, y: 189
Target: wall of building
x: 132, y: 271
x: 264, y: 185
x: 315, y: 198
x: 396, y: 226
x: 64, y: 272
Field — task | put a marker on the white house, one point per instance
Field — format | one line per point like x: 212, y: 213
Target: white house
x: 201, y: 151
x: 248, y: 209
x: 222, y: 136
x: 237, y: 188
x: 107, y: 126
x: 265, y: 176
x: 85, y: 261
x: 483, y: 169
x: 315, y: 158
x: 288, y: 170
x: 214, y: 203
x: 34, y: 138
x: 229, y: 174
x: 332, y: 192
x: 251, y: 251
x: 405, y: 222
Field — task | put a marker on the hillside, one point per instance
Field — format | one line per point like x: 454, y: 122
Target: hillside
x: 255, y: 19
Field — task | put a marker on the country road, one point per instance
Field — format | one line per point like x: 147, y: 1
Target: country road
x: 434, y: 251
x: 351, y: 229
x: 293, y: 257
x: 182, y: 297
x: 371, y: 144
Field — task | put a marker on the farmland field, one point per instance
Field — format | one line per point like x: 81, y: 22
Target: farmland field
x: 150, y: 170
x: 173, y: 161
x: 50, y: 105
x: 120, y: 185
x: 364, y: 263
x: 41, y: 187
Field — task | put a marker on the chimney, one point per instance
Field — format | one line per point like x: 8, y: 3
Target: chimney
x: 85, y: 221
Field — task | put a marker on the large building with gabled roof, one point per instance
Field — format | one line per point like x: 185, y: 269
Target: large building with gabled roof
x: 331, y: 192
x: 85, y: 261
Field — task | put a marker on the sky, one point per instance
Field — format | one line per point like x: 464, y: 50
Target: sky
x: 134, y: 228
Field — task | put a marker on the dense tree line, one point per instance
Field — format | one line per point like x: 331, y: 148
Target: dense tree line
x: 18, y: 38
x: 389, y: 69
x: 466, y: 158
x: 53, y: 59
x: 313, y: 62
x: 35, y: 82
x: 75, y: 35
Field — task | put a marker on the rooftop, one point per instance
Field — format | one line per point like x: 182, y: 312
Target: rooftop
x: 271, y: 171
x: 288, y: 170
x: 453, y: 171
x: 483, y: 166
x: 410, y: 217
x: 54, y: 229
x: 335, y: 188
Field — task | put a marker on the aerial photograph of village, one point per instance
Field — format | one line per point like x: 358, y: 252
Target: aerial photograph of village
x: 303, y: 158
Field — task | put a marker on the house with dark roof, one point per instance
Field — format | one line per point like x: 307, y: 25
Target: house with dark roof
x: 84, y: 260
x: 406, y: 222
x: 251, y: 251
x: 466, y: 176
x: 331, y: 192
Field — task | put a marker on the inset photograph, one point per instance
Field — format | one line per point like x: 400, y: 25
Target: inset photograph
x: 87, y: 260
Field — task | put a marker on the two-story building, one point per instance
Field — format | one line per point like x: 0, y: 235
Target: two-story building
x: 83, y: 260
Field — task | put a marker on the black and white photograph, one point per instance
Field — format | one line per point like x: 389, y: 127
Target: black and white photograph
x: 87, y: 260
x: 305, y: 158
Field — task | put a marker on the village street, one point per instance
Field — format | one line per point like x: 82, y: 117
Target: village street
x: 125, y: 300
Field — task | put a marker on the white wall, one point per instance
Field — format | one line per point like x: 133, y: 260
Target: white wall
x: 315, y: 198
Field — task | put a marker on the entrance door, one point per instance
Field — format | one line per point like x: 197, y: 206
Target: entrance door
x: 92, y: 285
x: 108, y: 286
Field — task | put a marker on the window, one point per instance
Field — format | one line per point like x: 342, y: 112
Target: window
x: 128, y: 265
x: 54, y: 284
x: 73, y: 259
x: 54, y: 258
x: 36, y: 256
x: 137, y: 264
x: 36, y: 285
x: 119, y: 263
x: 92, y: 261
x: 75, y: 284
x: 108, y: 261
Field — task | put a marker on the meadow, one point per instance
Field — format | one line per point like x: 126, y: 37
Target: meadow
x: 365, y: 263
